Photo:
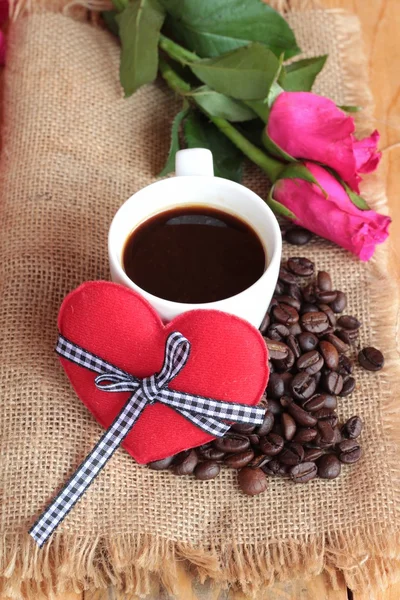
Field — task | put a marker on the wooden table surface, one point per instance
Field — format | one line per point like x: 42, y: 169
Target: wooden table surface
x: 380, y: 21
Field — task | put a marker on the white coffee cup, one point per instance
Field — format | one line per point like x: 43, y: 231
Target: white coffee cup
x: 195, y: 184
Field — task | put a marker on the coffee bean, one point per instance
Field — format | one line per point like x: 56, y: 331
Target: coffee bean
x: 349, y: 384
x: 244, y: 428
x: 274, y: 467
x: 271, y: 367
x: 274, y: 407
x: 277, y: 331
x: 329, y: 313
x: 308, y: 307
x: 324, y: 281
x: 346, y: 335
x: 312, y: 454
x: 277, y: 350
x: 328, y: 466
x: 239, y: 460
x: 325, y: 297
x: 314, y: 403
x: 254, y: 440
x: 317, y: 377
x: 337, y: 342
x: 314, y: 322
x: 349, y: 451
x: 286, y: 276
x: 303, y: 386
x: 295, y: 329
x: 271, y: 444
x: 303, y: 472
x: 307, y: 341
x: 326, y: 414
x: 160, y: 465
x: 275, y: 387
x: 259, y: 461
x: 284, y: 364
x: 346, y: 365
x: 289, y: 301
x: 232, y: 442
x: 302, y: 417
x: 348, y: 322
x: 326, y: 432
x: 309, y: 293
x: 294, y: 291
x: 265, y: 323
x: 185, y: 463
x: 208, y: 452
x: 371, y: 358
x: 327, y: 331
x: 293, y: 454
x: 287, y: 379
x: 289, y: 426
x: 252, y: 481
x: 316, y: 367
x: 339, y: 303
x: 293, y: 344
x: 297, y: 236
x: 301, y: 266
x: 285, y: 314
x: 267, y: 424
x: 330, y: 354
x: 274, y: 302
x: 279, y: 288
x: 207, y: 470
x: 353, y: 427
x: 333, y: 382
x: 330, y: 401
x: 305, y: 435
x: 310, y: 362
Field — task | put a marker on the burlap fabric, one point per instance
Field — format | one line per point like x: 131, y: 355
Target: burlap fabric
x: 73, y: 151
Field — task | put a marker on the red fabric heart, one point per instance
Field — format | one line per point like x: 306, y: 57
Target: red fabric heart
x: 228, y: 361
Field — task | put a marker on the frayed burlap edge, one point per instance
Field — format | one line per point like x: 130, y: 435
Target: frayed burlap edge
x: 18, y: 8
x: 367, y: 559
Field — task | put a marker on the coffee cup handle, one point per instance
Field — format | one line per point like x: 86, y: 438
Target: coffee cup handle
x: 194, y: 161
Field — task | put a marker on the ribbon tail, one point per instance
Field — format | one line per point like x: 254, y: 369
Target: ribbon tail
x: 54, y: 514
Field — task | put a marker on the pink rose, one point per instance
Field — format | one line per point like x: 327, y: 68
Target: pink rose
x: 334, y: 217
x: 312, y: 127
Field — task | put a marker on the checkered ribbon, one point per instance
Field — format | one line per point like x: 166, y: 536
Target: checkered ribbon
x: 206, y: 413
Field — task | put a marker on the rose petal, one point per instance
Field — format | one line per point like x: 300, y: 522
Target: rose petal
x: 335, y: 218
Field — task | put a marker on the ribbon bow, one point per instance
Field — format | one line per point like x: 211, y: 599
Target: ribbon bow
x: 206, y: 413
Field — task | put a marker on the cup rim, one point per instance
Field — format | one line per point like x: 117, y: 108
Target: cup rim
x: 277, y: 242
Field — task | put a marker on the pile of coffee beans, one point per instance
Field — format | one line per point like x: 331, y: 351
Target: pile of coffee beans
x: 310, y: 371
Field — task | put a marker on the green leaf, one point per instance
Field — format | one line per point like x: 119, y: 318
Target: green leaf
x: 300, y: 76
x: 200, y: 133
x: 274, y: 149
x: 277, y: 207
x: 120, y: 5
x: 139, y: 29
x: 356, y: 198
x: 219, y: 105
x: 213, y: 27
x: 109, y: 18
x: 349, y: 108
x: 174, y: 146
x: 273, y: 93
x: 246, y: 73
x: 260, y: 107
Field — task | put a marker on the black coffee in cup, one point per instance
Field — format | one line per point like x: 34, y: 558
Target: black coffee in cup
x: 194, y: 254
